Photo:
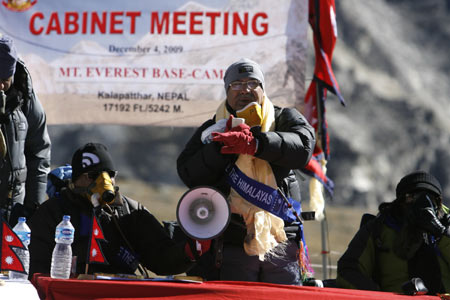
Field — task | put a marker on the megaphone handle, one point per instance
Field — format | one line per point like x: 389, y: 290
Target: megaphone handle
x: 290, y: 206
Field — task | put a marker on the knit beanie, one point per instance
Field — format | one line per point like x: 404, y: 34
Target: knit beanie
x: 91, y: 157
x: 242, y: 69
x: 418, y: 180
x: 8, y: 57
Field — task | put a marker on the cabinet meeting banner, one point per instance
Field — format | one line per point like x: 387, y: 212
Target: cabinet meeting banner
x: 156, y: 63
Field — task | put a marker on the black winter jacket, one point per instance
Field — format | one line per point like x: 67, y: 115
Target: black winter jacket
x: 24, y: 169
x: 288, y: 147
x: 150, y: 243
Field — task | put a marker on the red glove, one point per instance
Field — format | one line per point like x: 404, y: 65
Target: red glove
x: 201, y: 245
x: 239, y: 140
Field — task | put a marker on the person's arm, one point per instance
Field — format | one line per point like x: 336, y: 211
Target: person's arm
x: 291, y: 144
x: 37, y: 153
x: 150, y: 241
x: 42, y: 225
x: 202, y: 164
x: 357, y: 264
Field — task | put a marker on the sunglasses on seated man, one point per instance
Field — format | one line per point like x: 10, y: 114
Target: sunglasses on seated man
x: 95, y: 174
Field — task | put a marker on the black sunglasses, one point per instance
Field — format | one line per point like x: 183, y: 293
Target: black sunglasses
x: 95, y: 174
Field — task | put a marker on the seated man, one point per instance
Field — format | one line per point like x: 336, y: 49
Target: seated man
x: 410, y: 238
x: 133, y: 236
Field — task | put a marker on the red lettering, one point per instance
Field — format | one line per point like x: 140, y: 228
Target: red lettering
x: 107, y: 72
x: 264, y: 26
x: 88, y: 72
x: 177, y: 22
x: 182, y: 72
x: 114, y: 21
x: 213, y: 16
x: 225, y: 23
x: 133, y: 15
x: 156, y: 73
x: 101, y: 24
x: 243, y: 25
x: 53, y: 24
x: 33, y: 29
x: 84, y: 24
x: 71, y: 21
x: 194, y: 22
x: 218, y: 74
x: 70, y: 71
x: 159, y: 25
x: 194, y: 73
x: 117, y: 72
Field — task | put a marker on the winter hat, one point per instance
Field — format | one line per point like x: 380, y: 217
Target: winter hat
x: 418, y: 180
x: 8, y: 57
x: 91, y: 157
x: 242, y: 69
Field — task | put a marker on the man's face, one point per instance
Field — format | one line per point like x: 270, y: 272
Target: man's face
x: 239, y: 95
x: 5, y: 84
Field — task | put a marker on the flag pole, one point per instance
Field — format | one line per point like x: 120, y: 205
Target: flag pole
x: 323, y: 223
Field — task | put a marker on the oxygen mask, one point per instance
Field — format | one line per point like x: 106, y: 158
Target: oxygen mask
x: 102, y: 190
x: 252, y: 113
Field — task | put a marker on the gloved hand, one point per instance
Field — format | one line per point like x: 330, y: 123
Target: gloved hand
x: 229, y: 123
x: 239, y: 140
x: 196, y: 248
x: 425, y: 214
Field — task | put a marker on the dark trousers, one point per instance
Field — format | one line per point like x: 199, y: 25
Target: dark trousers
x: 282, y: 268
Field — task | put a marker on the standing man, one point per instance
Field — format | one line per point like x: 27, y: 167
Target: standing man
x: 24, y: 141
x: 257, y: 245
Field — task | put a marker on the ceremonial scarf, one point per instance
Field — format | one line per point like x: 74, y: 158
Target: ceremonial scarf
x: 264, y: 230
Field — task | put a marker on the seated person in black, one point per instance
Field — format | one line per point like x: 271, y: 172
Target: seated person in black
x: 134, y: 237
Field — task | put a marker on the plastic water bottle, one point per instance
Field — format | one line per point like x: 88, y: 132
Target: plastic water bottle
x: 62, y: 253
x: 24, y: 233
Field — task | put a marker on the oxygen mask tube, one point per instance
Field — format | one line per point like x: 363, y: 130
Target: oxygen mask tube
x: 102, y: 190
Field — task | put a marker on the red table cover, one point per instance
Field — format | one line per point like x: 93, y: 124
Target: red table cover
x: 73, y: 289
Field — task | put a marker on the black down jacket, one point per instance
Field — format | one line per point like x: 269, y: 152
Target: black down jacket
x: 23, y: 172
x: 145, y: 240
x: 288, y: 147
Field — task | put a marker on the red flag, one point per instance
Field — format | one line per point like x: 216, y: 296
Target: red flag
x: 9, y: 260
x: 314, y: 169
x: 95, y: 251
x: 322, y: 19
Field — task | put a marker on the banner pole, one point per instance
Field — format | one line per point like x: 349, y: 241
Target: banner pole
x: 325, y: 251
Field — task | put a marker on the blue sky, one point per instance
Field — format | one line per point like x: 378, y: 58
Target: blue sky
x: 16, y: 24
